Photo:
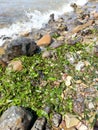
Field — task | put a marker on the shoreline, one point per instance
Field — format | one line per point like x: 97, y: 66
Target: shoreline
x: 53, y: 71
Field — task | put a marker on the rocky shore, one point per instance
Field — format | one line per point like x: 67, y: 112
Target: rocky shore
x: 49, y: 77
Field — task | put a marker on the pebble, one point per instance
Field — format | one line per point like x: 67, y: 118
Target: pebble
x: 15, y: 65
x: 79, y: 65
x: 56, y: 120
x: 68, y: 81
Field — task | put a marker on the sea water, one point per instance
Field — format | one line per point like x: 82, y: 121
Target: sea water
x: 17, y: 16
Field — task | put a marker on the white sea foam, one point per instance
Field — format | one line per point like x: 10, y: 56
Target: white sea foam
x: 36, y: 19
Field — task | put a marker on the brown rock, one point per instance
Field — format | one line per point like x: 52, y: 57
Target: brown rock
x: 95, y: 15
x: 3, y: 64
x: 45, y: 40
x: 15, y: 65
x: 2, y: 51
x: 81, y: 27
x: 24, y: 34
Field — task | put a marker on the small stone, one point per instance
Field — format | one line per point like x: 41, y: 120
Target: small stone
x: 56, y: 120
x: 46, y: 54
x: 91, y: 105
x: 2, y: 51
x: 68, y: 80
x: 80, y: 65
x: 39, y: 124
x: 78, y: 81
x: 71, y: 120
x: 24, y: 34
x: 45, y: 40
x: 81, y: 126
x: 15, y: 65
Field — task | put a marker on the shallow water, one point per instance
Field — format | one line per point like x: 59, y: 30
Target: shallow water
x: 22, y: 15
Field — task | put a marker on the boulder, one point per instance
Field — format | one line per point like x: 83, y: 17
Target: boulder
x: 45, y: 40
x: 21, y: 46
x: 15, y: 65
x: 15, y: 118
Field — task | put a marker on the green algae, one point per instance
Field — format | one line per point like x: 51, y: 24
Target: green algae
x: 40, y: 82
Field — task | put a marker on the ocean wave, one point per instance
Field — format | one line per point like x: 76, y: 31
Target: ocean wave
x: 35, y: 19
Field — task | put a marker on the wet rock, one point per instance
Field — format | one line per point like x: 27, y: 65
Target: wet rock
x: 81, y: 27
x: 80, y: 65
x: 71, y: 120
x: 51, y: 20
x: 45, y: 40
x: 56, y: 120
x: 21, y: 46
x: 46, y: 54
x: 39, y: 124
x: 15, y: 118
x: 15, y: 66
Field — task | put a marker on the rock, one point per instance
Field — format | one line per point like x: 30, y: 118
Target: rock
x: 2, y: 51
x: 81, y: 27
x: 51, y: 20
x: 45, y: 40
x: 74, y: 41
x: 91, y: 105
x: 68, y: 81
x: 56, y: 44
x: 21, y: 46
x: 56, y: 120
x: 24, y: 34
x: 81, y: 126
x: 15, y: 65
x: 15, y: 118
x: 86, y: 32
x: 39, y: 124
x: 80, y: 65
x: 95, y: 15
x: 63, y: 126
x: 71, y: 120
x: 3, y: 63
x: 95, y: 49
x: 47, y: 109
x: 62, y: 27
x: 46, y: 54
x: 78, y: 104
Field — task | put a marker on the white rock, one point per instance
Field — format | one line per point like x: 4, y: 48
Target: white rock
x: 71, y: 121
x: 83, y: 127
x: 91, y: 105
x: 80, y: 65
x: 68, y: 81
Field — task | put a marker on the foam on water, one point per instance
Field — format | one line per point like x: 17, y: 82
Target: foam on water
x: 35, y: 19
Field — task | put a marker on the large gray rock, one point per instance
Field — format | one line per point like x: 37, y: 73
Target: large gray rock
x: 21, y: 46
x: 15, y: 118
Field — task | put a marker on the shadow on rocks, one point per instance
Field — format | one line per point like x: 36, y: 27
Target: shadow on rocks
x: 33, y: 119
